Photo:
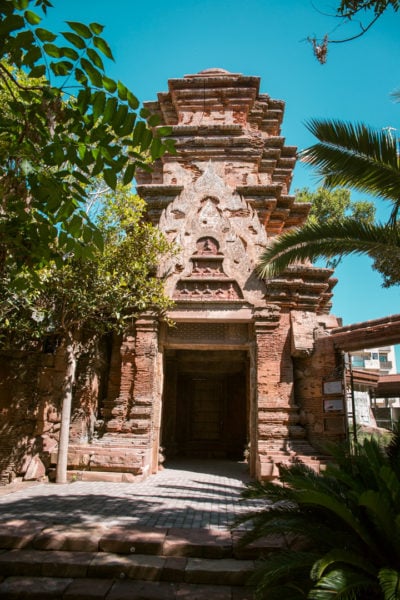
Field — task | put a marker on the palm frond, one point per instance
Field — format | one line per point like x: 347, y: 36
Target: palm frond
x: 340, y: 556
x: 345, y: 584
x: 389, y: 580
x: 314, y: 241
x: 356, y: 156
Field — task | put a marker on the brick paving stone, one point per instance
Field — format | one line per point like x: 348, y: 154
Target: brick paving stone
x: 120, y: 566
x: 141, y: 590
x: 19, y: 533
x: 88, y: 589
x: 63, y: 537
x: 208, y: 543
x: 226, y: 571
x: 187, y: 494
x: 30, y: 562
x: 203, y: 592
x: 34, y: 588
x: 133, y: 540
x: 174, y: 568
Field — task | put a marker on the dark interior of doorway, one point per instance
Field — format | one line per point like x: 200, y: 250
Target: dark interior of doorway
x: 205, y: 404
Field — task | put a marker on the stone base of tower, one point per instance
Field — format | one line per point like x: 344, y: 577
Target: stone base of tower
x: 109, y: 459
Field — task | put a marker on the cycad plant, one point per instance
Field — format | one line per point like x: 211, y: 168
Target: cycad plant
x: 342, y: 526
x: 353, y: 156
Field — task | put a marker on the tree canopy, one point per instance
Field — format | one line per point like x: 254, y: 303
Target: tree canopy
x: 335, y: 206
x: 63, y: 122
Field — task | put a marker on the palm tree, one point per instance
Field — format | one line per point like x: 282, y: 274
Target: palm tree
x: 358, y: 157
x: 342, y: 525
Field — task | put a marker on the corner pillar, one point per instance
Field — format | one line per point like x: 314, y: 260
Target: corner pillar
x: 276, y: 412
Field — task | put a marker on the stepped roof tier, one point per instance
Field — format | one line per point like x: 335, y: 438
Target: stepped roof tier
x: 229, y: 134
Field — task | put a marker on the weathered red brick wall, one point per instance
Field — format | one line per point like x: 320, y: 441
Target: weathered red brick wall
x: 31, y: 385
x: 324, y: 364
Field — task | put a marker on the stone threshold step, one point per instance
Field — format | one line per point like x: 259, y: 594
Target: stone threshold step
x: 196, y: 543
x: 50, y: 588
x: 50, y: 563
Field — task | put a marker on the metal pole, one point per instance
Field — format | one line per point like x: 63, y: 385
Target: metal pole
x: 353, y: 403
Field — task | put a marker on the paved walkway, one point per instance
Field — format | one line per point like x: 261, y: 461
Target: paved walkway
x: 186, y: 494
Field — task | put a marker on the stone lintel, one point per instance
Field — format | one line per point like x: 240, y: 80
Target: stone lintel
x: 152, y: 189
x: 212, y: 129
x: 211, y: 314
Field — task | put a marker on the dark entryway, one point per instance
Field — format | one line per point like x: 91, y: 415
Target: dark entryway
x: 205, y: 404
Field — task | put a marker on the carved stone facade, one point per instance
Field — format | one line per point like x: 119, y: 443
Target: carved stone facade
x: 243, y: 370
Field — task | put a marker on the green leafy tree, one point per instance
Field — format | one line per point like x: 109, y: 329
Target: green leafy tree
x: 63, y: 121
x: 360, y: 158
x: 334, y: 206
x: 103, y: 292
x: 343, y: 525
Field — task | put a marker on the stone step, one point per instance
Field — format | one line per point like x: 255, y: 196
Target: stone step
x: 167, y: 542
x: 46, y: 588
x: 38, y: 561
x: 98, y: 565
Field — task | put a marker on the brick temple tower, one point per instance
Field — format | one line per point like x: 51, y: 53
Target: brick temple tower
x: 242, y: 370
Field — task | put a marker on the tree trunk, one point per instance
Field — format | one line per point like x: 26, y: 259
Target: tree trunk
x: 71, y: 349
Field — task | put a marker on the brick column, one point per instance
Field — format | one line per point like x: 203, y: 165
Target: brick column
x: 117, y: 408
x: 143, y: 418
x: 275, y: 406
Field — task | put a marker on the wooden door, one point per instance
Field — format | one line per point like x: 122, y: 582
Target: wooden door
x: 206, y: 411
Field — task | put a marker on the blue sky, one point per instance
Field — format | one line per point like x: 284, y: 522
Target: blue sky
x: 155, y: 41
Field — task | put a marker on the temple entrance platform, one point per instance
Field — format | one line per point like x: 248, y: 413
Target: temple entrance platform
x: 166, y: 538
x: 189, y: 493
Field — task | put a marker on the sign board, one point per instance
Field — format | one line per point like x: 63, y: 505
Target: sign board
x: 333, y: 387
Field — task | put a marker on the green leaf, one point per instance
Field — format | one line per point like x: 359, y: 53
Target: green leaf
x: 25, y: 39
x: 81, y: 77
x: 154, y: 120
x: 32, y: 56
x: 122, y: 90
x: 119, y: 117
x: 93, y: 74
x: 83, y: 100
x: 98, y: 104
x: 74, y: 39
x: 37, y: 72
x: 81, y: 177
x: 62, y: 68
x: 156, y: 148
x: 164, y: 130
x: 109, y: 84
x: 96, y: 28
x: 69, y: 52
x: 52, y: 50
x: 95, y: 58
x: 31, y: 17
x: 129, y: 174
x: 132, y: 100
x: 140, y: 128
x: 109, y: 109
x: 11, y: 23
x: 45, y: 35
x: 110, y: 178
x: 104, y: 48
x: 127, y: 126
x: 80, y: 29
